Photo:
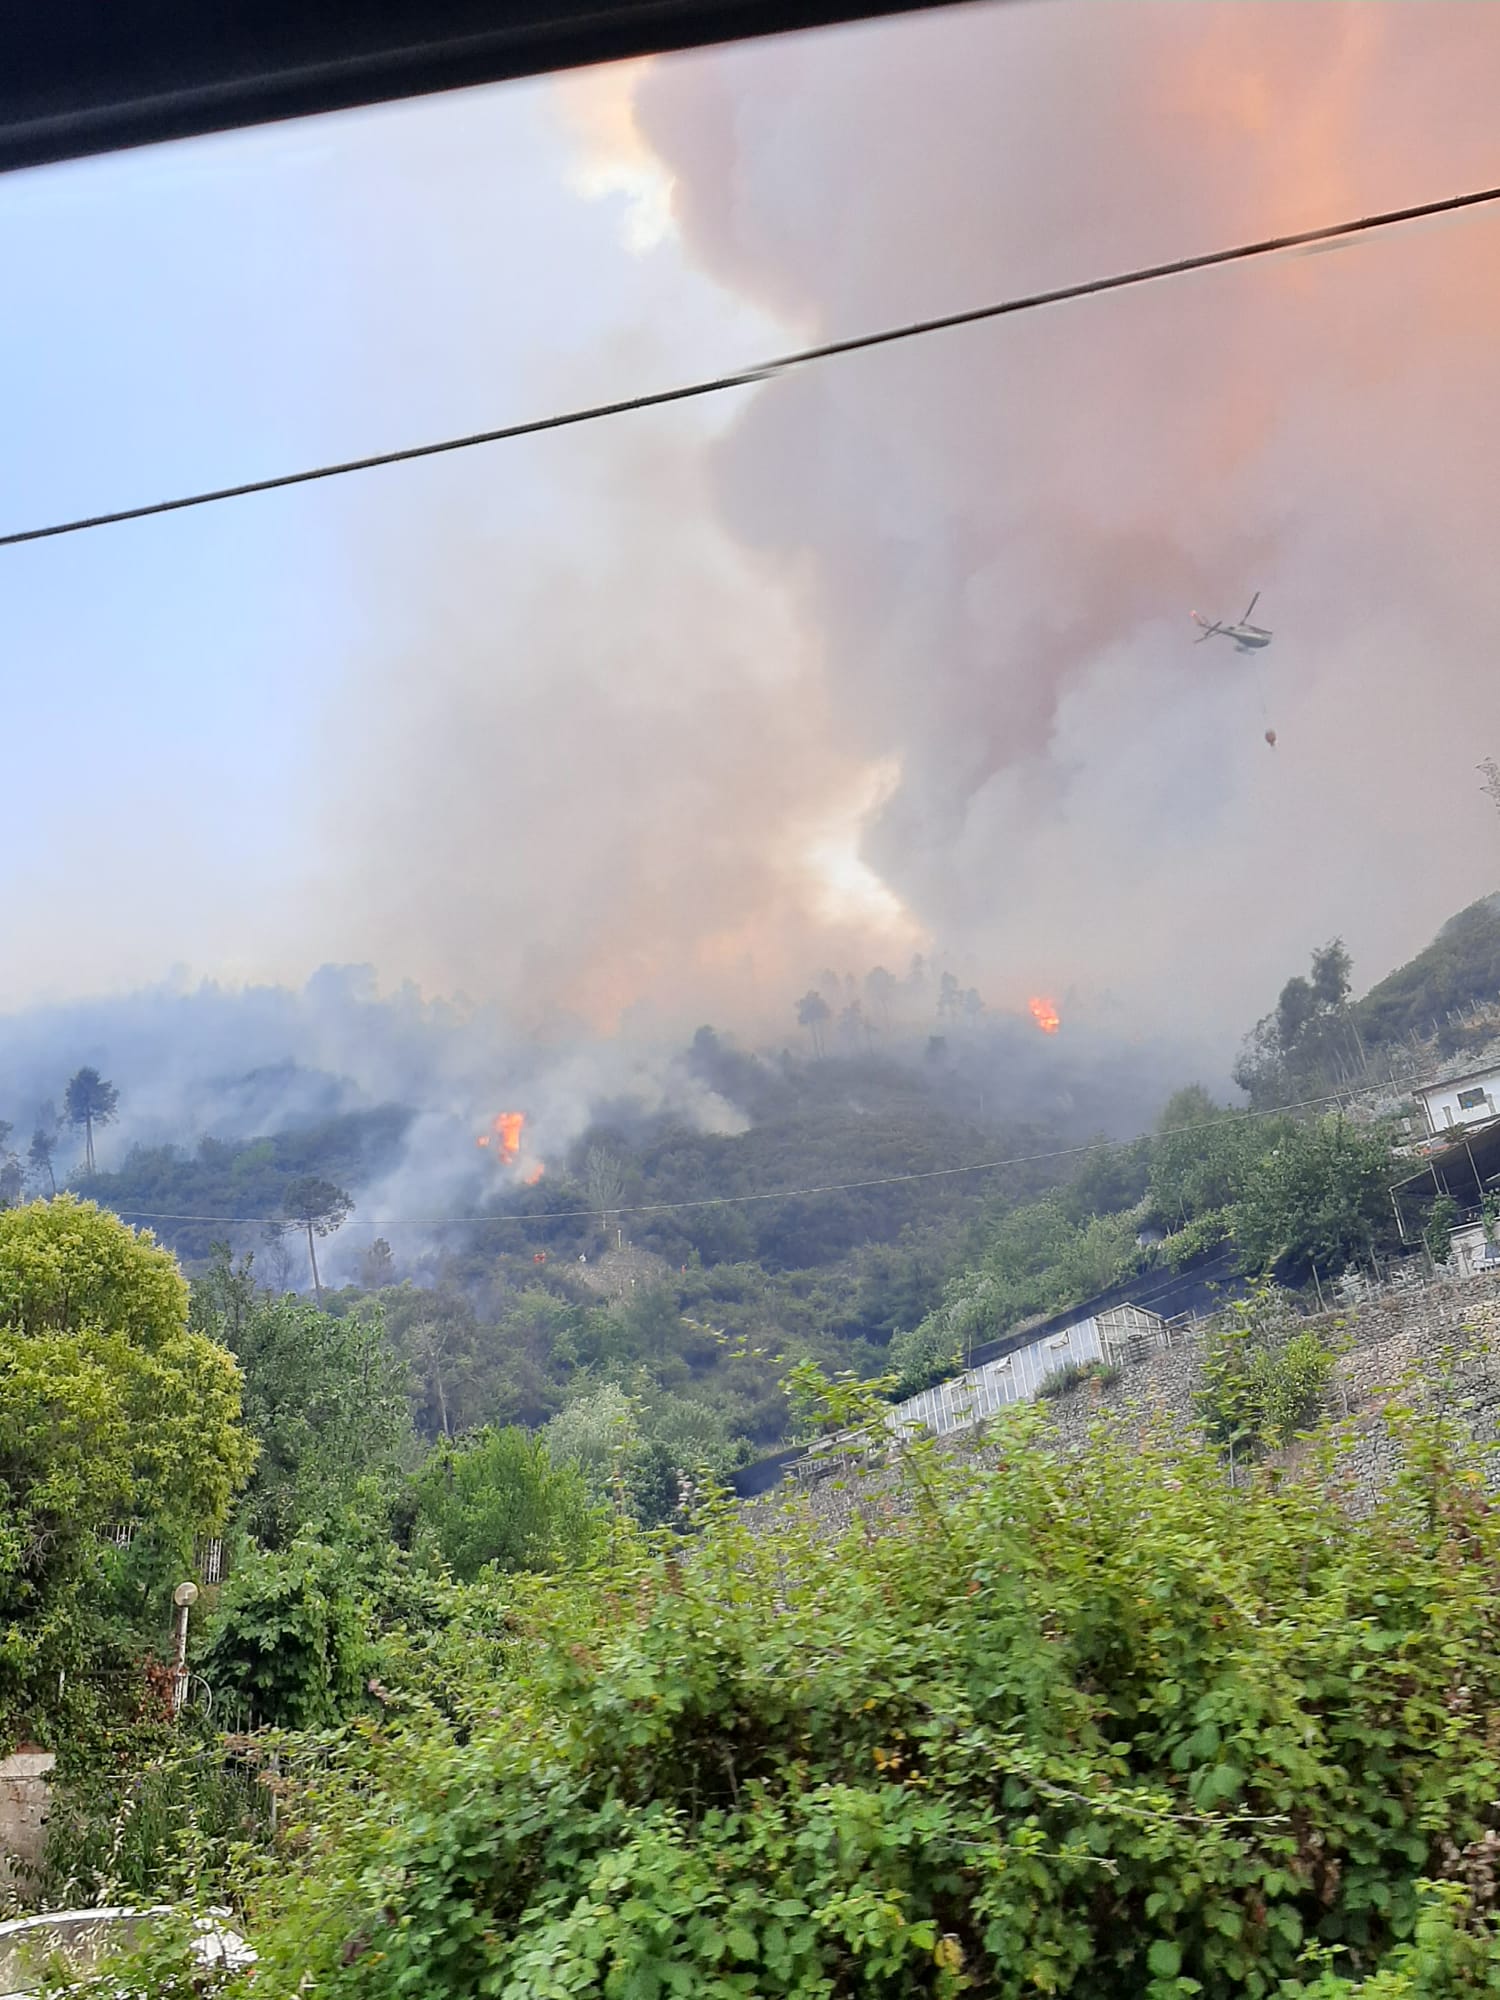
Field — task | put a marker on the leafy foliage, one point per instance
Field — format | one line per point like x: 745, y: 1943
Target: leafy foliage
x: 289, y: 1641
x: 1320, y: 1200
x: 1073, y: 1374
x: 1438, y: 1234
x: 1264, y: 1379
x: 497, y: 1498
x: 110, y: 1408
x: 1167, y: 1738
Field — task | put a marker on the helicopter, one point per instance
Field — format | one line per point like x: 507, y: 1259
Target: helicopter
x: 1247, y: 638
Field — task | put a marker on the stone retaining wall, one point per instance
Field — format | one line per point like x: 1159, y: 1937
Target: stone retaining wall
x: 25, y: 1783
x: 1440, y: 1341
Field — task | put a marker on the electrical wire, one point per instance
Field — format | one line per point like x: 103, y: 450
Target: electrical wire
x: 523, y: 1216
x: 766, y: 371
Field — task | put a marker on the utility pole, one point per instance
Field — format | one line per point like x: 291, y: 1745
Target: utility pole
x: 185, y: 1596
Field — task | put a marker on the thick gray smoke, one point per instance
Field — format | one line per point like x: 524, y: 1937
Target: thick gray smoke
x: 998, y: 534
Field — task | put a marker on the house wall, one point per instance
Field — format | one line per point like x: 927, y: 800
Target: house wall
x: 1445, y: 1113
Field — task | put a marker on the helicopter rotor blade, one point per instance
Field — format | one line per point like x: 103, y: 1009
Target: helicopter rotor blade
x: 1253, y: 602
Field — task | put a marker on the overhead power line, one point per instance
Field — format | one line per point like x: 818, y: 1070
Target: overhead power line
x: 766, y: 371
x: 524, y: 1216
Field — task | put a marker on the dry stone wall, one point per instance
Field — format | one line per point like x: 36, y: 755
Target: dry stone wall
x: 1438, y: 1343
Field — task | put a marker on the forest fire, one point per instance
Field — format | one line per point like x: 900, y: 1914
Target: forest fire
x: 503, y: 1141
x: 1045, y: 1014
x: 504, y: 1136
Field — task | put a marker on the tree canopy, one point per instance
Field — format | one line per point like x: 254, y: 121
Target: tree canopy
x: 111, y: 1409
x: 89, y: 1103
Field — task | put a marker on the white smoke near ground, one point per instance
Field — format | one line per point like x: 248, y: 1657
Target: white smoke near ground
x: 211, y: 1061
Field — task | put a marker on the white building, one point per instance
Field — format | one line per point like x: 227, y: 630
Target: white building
x: 1473, y: 1251
x: 1462, y: 1100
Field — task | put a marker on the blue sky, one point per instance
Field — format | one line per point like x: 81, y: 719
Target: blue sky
x: 224, y: 309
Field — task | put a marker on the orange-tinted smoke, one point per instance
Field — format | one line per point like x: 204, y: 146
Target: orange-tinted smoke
x: 1045, y: 1014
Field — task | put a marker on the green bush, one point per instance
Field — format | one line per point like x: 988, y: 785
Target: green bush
x: 147, y: 1834
x: 497, y: 1498
x: 1104, y: 1727
x: 289, y: 1642
x: 1264, y: 1381
x: 1073, y: 1374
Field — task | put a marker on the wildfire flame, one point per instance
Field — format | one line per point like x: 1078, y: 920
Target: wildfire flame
x: 504, y: 1135
x: 504, y: 1140
x: 1045, y: 1014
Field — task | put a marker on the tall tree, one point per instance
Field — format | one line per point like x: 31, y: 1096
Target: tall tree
x: 89, y: 1103
x: 604, y: 1179
x: 319, y: 1207
x: 39, y: 1155
x: 378, y: 1266
x: 110, y: 1407
x: 812, y: 1013
x: 880, y: 990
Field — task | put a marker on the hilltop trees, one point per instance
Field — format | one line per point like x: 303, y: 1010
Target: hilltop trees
x: 1311, y: 1037
x: 813, y: 1014
x: 39, y: 1156
x: 89, y: 1104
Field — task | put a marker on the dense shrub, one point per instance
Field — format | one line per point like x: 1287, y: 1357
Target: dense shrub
x: 1117, y: 1730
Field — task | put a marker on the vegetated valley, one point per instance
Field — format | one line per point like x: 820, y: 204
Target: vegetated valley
x: 491, y: 1687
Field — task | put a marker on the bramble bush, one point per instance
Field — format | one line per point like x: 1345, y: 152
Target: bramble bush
x: 1103, y: 1726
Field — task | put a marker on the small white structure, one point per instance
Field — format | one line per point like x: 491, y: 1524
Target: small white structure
x: 1473, y: 1251
x: 1461, y: 1100
x: 1127, y: 1332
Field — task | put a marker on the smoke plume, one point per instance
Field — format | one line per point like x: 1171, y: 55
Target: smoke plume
x: 994, y: 537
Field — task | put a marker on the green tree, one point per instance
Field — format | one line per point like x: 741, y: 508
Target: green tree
x: 813, y: 1013
x: 318, y: 1207
x: 497, y: 1498
x: 39, y: 1156
x: 89, y: 1103
x: 326, y: 1401
x: 599, y: 1432
x: 111, y: 1408
x: 288, y: 1643
x: 1319, y: 1201
x: 1438, y: 1235
x: 1203, y: 1155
